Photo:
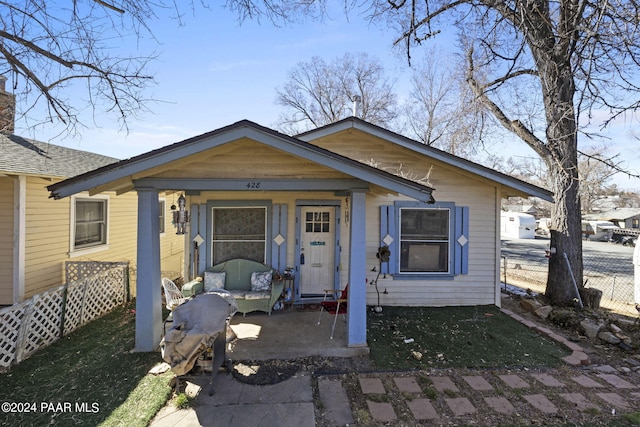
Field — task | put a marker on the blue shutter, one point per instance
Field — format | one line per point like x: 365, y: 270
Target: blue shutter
x: 461, y: 240
x: 388, y: 228
x: 279, y: 228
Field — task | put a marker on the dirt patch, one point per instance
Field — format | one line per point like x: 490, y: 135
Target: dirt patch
x: 265, y: 372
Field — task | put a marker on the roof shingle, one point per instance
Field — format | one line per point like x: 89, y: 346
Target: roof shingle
x: 30, y: 157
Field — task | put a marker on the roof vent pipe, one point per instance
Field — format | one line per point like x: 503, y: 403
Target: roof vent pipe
x: 356, y: 99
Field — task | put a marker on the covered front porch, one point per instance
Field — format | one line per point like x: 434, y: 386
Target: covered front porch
x: 283, y: 211
x: 289, y: 334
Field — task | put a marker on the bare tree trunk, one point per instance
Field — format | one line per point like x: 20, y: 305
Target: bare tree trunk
x: 562, y: 159
x: 566, y: 239
x: 560, y: 152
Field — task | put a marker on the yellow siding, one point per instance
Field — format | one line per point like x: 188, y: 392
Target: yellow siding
x: 451, y: 185
x: 477, y: 287
x: 48, y: 234
x: 171, y: 245
x: 230, y: 161
x: 6, y: 241
x: 46, y: 238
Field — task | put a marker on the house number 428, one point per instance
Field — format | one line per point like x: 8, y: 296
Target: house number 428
x: 253, y: 184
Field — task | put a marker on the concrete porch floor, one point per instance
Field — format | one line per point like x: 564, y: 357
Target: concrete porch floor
x: 289, y: 334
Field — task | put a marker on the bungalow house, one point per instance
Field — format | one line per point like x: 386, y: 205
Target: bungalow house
x: 38, y: 234
x: 622, y: 217
x: 321, y: 203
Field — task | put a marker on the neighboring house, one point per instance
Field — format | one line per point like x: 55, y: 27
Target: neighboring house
x: 322, y: 203
x: 623, y: 217
x: 38, y: 234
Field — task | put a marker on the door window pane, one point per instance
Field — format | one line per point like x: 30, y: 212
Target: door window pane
x: 317, y: 222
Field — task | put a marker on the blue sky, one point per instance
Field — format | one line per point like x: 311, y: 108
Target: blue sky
x: 213, y: 71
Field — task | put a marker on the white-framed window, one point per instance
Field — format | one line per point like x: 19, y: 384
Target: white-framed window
x: 424, y: 240
x: 162, y: 208
x: 427, y: 241
x: 89, y: 222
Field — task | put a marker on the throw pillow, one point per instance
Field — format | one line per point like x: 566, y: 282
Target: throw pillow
x: 261, y: 281
x: 214, y: 280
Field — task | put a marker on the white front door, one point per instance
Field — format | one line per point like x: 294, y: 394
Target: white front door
x: 317, y: 250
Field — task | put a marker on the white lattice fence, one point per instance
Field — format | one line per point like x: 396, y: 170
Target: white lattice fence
x: 37, y: 322
x: 76, y: 270
x: 94, y: 296
x: 10, y: 325
x: 42, y: 322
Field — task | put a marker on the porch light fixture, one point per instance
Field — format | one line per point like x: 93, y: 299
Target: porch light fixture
x: 180, y: 216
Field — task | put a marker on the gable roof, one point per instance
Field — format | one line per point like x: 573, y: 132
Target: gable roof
x: 618, y: 214
x: 124, y: 170
x: 20, y: 156
x: 418, y: 147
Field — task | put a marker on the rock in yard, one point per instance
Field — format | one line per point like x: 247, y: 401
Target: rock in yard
x: 590, y: 328
x: 160, y: 368
x: 614, y: 328
x: 544, y: 312
x: 530, y: 305
x: 608, y: 337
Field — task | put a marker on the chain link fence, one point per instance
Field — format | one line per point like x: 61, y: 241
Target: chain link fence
x: 611, y: 274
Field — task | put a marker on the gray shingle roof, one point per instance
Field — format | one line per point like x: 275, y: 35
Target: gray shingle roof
x: 620, y: 214
x: 29, y: 157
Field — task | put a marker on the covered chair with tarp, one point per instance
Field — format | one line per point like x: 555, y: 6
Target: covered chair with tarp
x: 199, y: 324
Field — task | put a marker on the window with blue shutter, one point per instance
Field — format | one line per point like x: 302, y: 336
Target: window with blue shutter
x: 425, y: 240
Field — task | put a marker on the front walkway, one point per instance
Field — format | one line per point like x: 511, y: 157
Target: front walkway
x: 596, y: 395
x: 487, y: 397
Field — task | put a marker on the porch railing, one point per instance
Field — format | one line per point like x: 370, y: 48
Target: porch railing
x: 91, y: 290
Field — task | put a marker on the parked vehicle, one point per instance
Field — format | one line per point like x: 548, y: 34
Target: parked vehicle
x: 623, y: 240
x: 625, y: 236
x: 598, y: 230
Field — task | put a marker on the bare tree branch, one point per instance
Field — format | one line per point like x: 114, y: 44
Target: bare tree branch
x: 47, y: 49
x: 318, y: 93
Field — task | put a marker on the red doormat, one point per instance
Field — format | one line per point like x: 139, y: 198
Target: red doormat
x: 308, y: 307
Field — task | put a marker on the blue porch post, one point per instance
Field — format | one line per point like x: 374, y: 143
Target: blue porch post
x: 148, y: 280
x: 357, y: 298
